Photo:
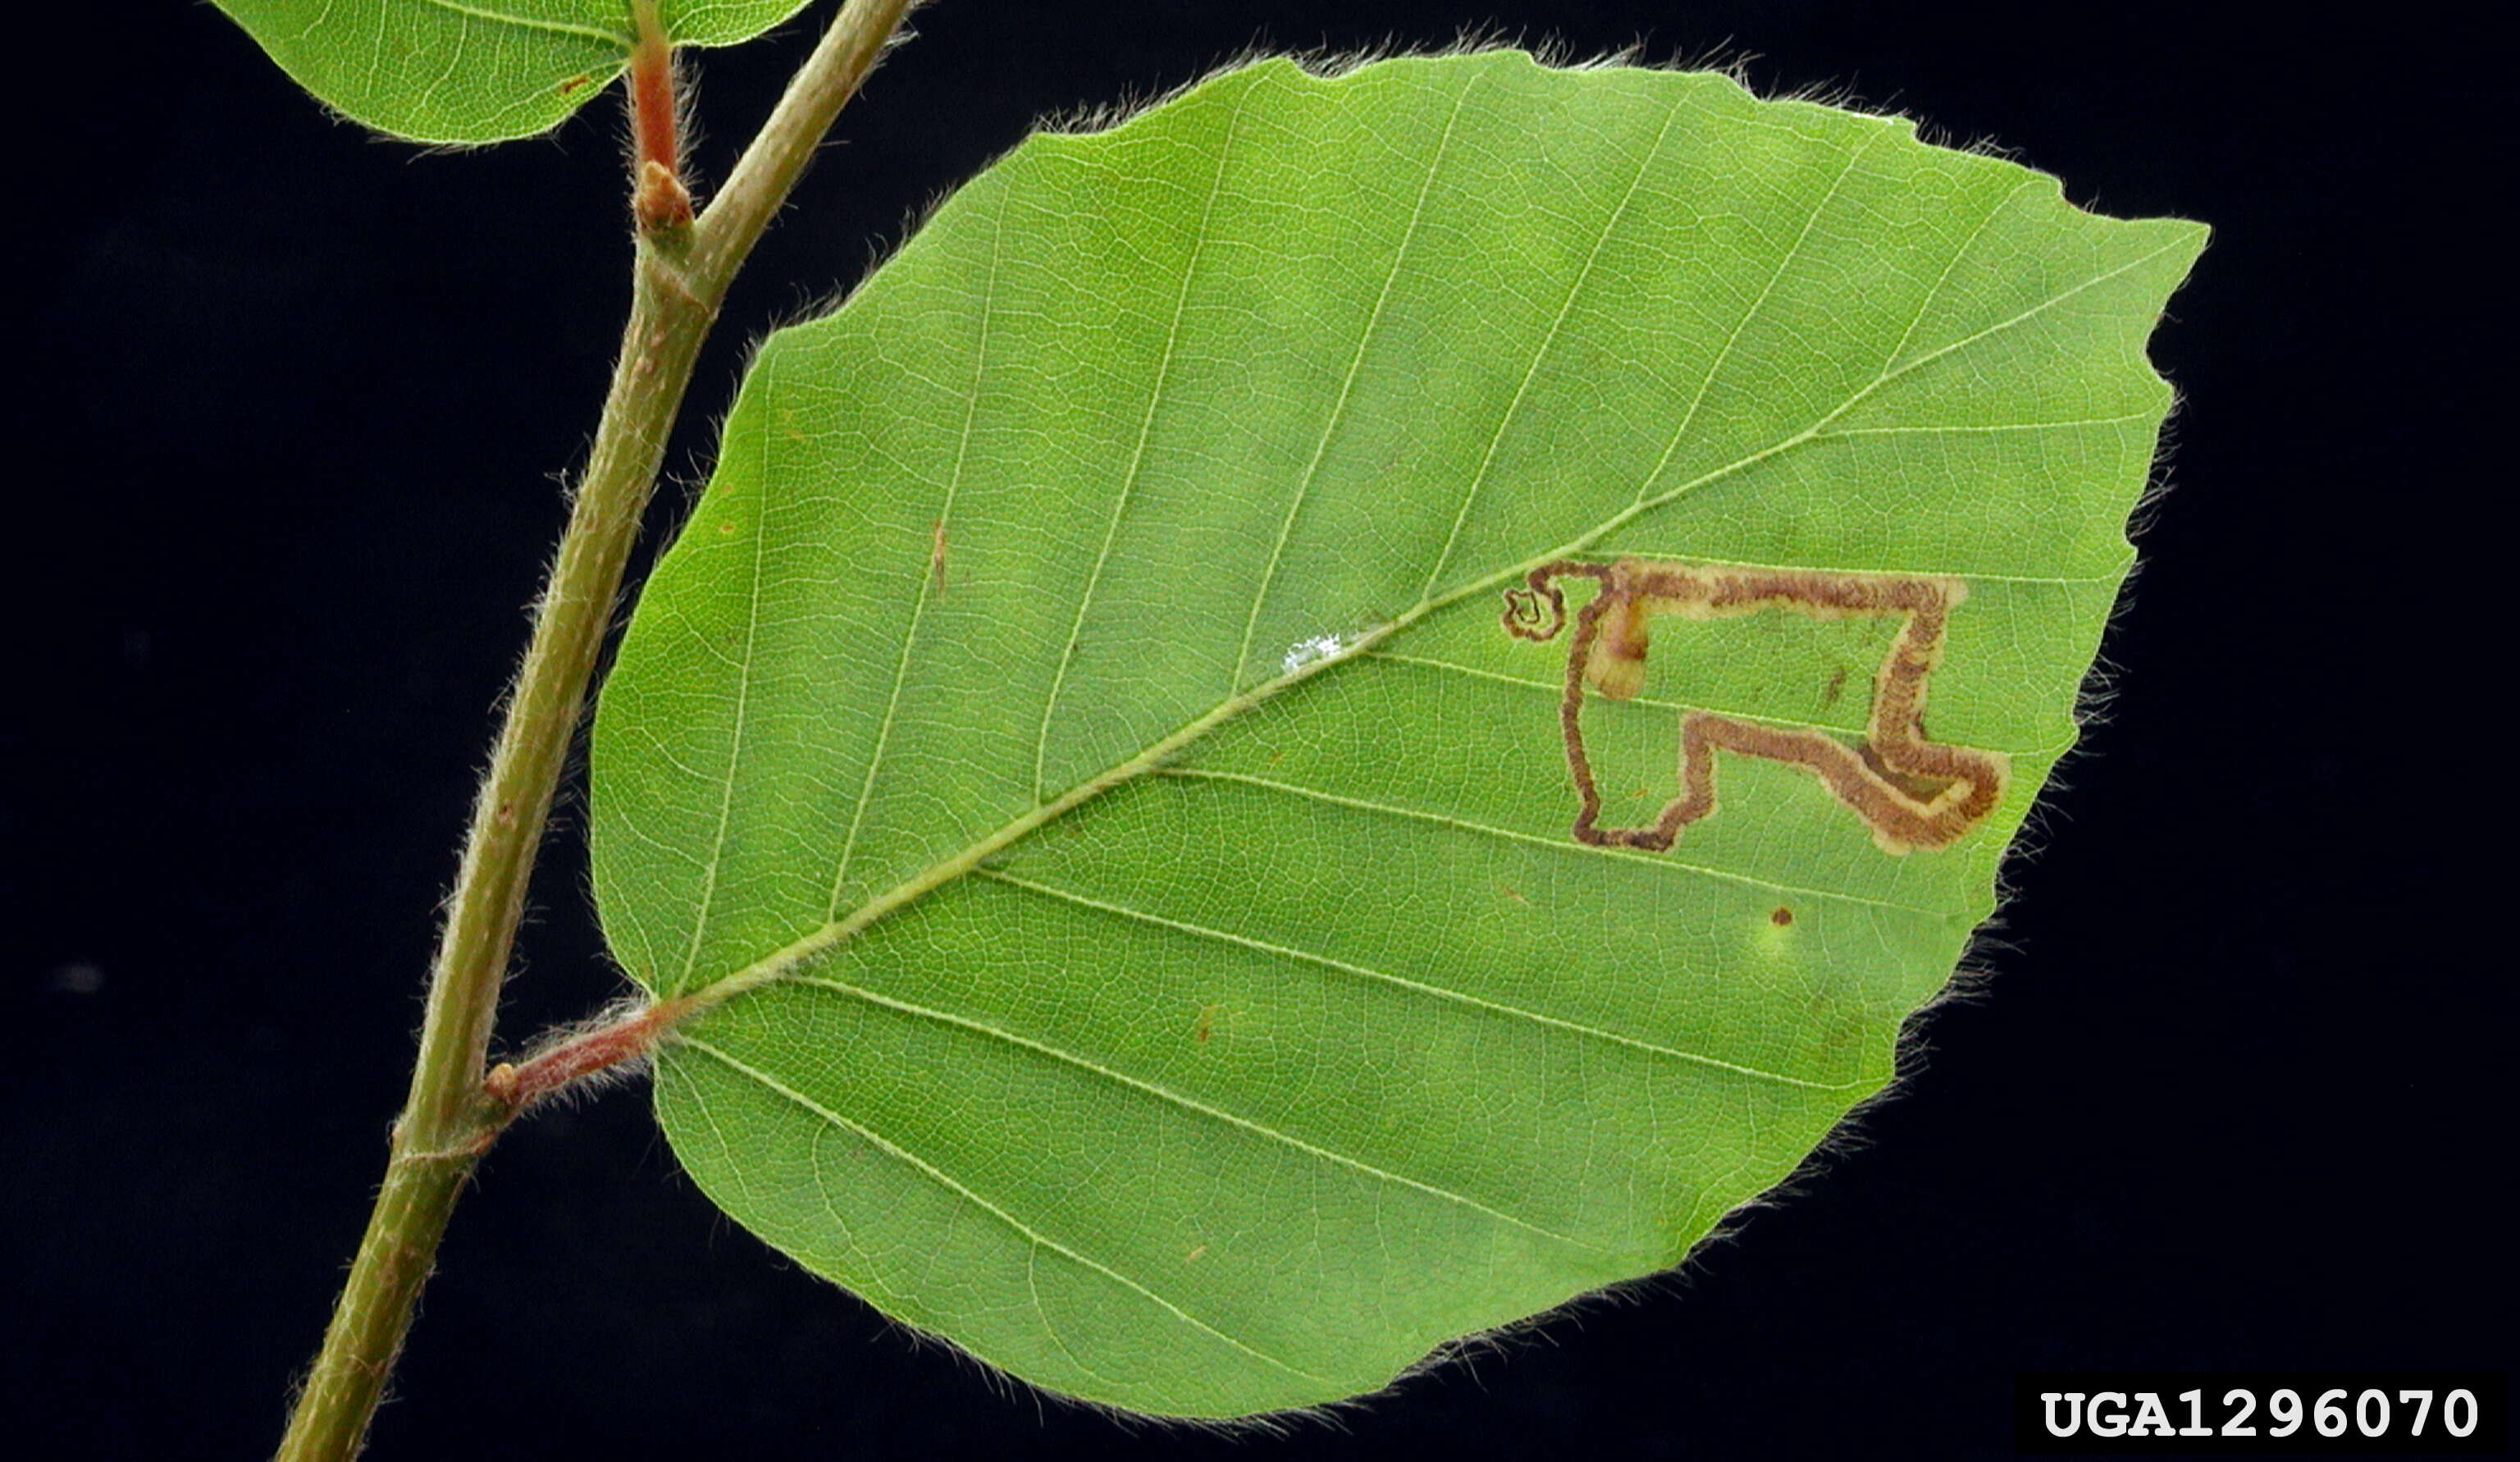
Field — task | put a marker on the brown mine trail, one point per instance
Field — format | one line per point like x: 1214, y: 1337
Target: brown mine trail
x: 1911, y: 791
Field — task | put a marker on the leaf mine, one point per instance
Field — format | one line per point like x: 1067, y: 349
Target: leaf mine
x: 1911, y: 791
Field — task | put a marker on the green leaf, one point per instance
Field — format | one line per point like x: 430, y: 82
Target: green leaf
x: 475, y: 70
x: 1076, y: 751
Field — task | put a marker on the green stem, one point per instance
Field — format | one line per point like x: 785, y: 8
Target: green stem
x: 448, y: 1120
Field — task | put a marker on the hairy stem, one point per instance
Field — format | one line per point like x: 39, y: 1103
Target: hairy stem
x: 448, y: 1120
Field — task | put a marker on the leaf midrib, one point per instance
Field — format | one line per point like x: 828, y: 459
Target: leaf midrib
x: 779, y: 962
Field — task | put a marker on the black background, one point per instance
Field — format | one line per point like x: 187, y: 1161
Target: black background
x: 285, y: 476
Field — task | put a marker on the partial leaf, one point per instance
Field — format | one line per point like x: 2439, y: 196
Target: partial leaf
x: 1079, y: 747
x: 475, y: 70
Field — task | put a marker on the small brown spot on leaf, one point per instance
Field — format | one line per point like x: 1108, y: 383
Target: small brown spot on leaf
x: 1517, y: 898
x: 1837, y: 687
x: 1195, y: 1251
x: 725, y: 528
x: 1782, y: 917
x: 575, y: 84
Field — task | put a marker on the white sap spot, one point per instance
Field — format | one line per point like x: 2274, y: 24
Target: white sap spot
x: 1319, y: 648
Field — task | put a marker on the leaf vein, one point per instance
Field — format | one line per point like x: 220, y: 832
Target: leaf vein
x: 918, y: 608
x: 1715, y: 367
x: 531, y: 23
x: 1561, y: 844
x: 1943, y: 279
x: 1402, y: 981
x: 1749, y: 460
x: 1347, y: 385
x: 1548, y: 340
x: 946, y: 1181
x: 1137, y: 459
x: 1988, y: 429
x: 735, y: 741
x: 1168, y: 1095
